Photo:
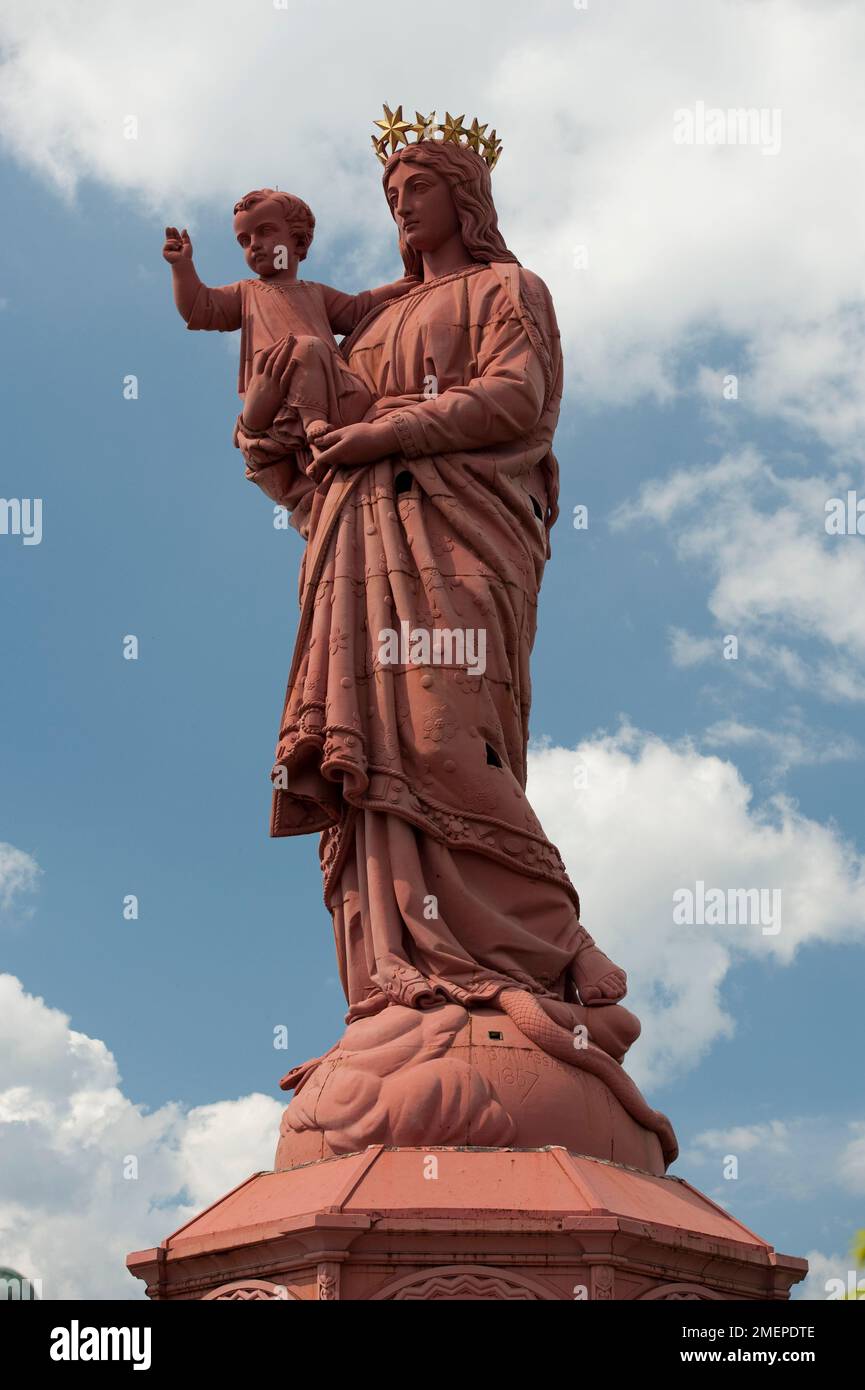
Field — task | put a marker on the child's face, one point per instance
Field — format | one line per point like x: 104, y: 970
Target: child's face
x: 266, y: 239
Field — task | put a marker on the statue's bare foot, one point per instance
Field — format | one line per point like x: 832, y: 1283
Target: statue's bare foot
x: 613, y: 1028
x: 597, y: 978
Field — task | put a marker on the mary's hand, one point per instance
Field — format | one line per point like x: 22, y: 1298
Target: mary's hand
x: 353, y: 445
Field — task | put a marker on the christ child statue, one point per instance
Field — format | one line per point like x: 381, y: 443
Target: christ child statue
x: 286, y: 324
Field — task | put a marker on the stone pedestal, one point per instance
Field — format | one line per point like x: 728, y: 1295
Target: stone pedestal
x: 458, y: 1223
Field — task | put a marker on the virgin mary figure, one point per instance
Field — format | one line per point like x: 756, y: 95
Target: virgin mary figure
x: 434, y: 516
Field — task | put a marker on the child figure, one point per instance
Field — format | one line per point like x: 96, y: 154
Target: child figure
x: 319, y: 390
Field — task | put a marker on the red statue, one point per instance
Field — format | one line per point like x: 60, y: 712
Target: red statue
x: 416, y: 461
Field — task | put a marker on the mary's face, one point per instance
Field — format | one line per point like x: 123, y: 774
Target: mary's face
x: 421, y: 203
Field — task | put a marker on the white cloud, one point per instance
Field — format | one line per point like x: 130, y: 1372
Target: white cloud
x: 67, y: 1214
x: 793, y: 744
x: 19, y: 874
x: 684, y: 241
x: 761, y: 537
x: 771, y: 1137
x: 800, y: 1159
x: 653, y: 818
x: 688, y: 650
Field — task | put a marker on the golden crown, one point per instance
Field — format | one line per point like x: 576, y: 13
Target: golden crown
x: 451, y: 130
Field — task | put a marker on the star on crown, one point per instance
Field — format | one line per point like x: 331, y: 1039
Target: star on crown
x: 396, y: 131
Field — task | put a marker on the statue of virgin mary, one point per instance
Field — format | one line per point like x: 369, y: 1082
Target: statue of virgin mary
x: 434, y: 515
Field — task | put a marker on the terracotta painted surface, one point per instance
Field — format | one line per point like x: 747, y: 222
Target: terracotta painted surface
x: 453, y: 1076
x: 483, y: 1181
x: 457, y: 1223
x: 433, y: 516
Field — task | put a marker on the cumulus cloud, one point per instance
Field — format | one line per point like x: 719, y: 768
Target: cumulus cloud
x: 637, y: 820
x: 68, y: 1134
x: 681, y: 241
x: 777, y: 573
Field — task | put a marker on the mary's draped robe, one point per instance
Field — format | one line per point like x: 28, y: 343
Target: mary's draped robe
x: 438, y: 875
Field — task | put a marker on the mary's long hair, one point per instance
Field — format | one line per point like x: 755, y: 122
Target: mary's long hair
x: 468, y: 177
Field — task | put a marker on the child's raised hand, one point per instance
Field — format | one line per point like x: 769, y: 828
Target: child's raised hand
x: 177, y: 246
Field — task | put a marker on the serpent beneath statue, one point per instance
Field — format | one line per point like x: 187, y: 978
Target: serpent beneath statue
x: 531, y: 1020
x: 504, y: 1076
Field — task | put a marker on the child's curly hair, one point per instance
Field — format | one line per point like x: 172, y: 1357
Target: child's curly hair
x: 299, y: 217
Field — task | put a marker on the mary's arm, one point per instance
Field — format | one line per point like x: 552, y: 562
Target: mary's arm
x: 503, y: 402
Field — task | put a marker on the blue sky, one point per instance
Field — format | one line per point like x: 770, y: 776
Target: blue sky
x: 152, y: 777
